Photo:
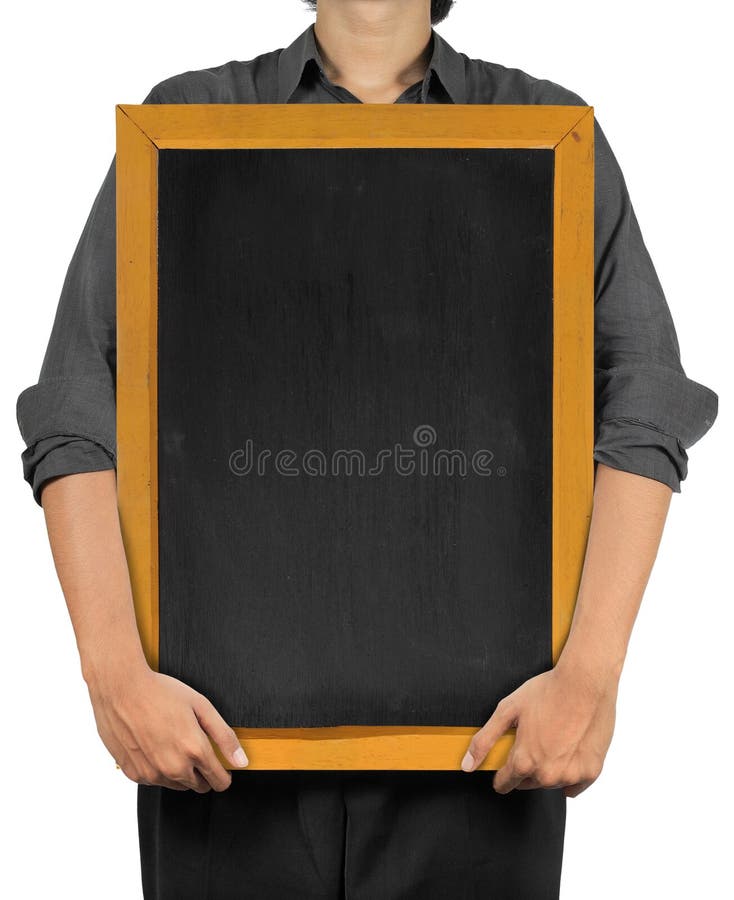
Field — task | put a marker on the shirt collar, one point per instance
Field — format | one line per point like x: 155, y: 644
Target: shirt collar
x: 445, y: 62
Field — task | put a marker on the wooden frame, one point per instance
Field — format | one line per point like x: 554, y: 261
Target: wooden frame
x: 143, y: 130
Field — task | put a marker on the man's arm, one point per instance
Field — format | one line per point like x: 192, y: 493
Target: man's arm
x: 626, y: 527
x: 155, y: 726
x: 648, y: 412
x: 565, y: 717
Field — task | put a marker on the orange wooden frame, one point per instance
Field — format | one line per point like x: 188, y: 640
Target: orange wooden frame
x: 143, y: 130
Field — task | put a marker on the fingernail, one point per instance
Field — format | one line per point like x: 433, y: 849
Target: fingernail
x: 467, y: 763
x: 239, y: 757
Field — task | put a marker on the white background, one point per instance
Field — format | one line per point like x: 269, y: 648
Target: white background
x: 656, y: 823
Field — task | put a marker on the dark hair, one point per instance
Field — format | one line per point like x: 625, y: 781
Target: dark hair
x: 439, y: 9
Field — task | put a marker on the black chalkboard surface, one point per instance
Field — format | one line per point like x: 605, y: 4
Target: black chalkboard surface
x: 355, y: 436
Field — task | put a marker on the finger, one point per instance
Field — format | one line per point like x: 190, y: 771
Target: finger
x: 535, y: 783
x: 516, y: 769
x: 573, y: 790
x: 162, y: 781
x: 185, y: 773
x: 193, y: 780
x: 136, y: 767
x: 115, y: 748
x: 147, y: 773
x: 154, y: 777
x: 146, y: 778
x: 219, y: 731
x: 502, y: 718
x: 199, y: 783
x: 527, y: 784
x: 124, y: 761
x: 176, y: 772
x: 207, y: 764
x: 506, y: 781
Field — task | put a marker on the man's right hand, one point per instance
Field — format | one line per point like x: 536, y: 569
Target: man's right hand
x: 158, y: 730
x: 156, y: 727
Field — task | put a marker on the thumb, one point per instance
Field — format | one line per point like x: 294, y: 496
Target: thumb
x: 219, y: 731
x: 502, y: 718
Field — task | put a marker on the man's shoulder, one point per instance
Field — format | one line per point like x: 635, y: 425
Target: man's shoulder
x: 234, y: 81
x: 494, y: 82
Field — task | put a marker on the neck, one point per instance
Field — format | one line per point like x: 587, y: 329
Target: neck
x: 374, y: 48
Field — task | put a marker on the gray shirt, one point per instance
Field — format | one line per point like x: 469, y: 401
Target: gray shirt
x: 647, y: 411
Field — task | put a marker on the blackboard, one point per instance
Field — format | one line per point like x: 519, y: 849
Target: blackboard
x: 355, y: 414
x: 328, y: 316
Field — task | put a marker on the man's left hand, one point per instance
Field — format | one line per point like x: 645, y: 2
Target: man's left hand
x: 564, y: 719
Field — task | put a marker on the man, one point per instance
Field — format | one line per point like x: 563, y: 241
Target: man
x: 207, y: 833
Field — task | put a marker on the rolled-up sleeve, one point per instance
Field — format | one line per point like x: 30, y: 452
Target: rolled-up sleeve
x: 648, y: 412
x: 68, y: 419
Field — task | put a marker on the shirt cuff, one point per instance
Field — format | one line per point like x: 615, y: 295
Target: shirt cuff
x: 69, y: 426
x: 62, y: 455
x: 647, y: 416
x: 631, y: 447
x: 658, y: 396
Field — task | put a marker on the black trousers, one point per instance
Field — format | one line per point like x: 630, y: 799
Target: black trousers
x: 352, y: 835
